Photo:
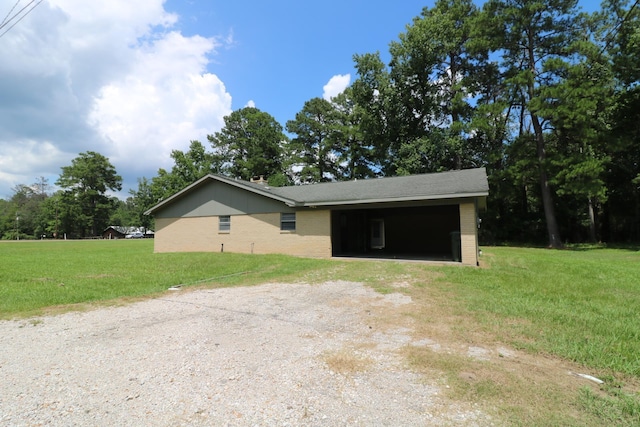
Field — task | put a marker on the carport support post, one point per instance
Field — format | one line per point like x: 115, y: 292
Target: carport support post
x: 469, y: 233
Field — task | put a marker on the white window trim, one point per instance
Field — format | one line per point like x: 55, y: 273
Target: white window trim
x: 224, y: 224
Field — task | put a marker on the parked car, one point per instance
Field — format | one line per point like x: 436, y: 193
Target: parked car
x: 134, y: 235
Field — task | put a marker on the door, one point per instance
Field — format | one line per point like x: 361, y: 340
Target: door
x: 377, y: 234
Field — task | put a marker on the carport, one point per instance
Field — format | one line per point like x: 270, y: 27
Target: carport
x: 411, y: 232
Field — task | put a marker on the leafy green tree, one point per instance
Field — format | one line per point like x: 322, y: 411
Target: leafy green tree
x: 621, y: 38
x: 514, y: 213
x: 579, y: 181
x: 188, y: 167
x: 535, y: 45
x: 7, y: 219
x: 425, y: 154
x: 314, y: 148
x: 10, y: 227
x: 165, y: 184
x: 437, y: 67
x: 249, y: 145
x: 622, y: 210
x: 468, y: 87
x: 86, y: 207
x: 25, y: 204
x: 22, y: 212
x: 577, y: 152
x: 142, y: 199
x: 356, y: 157
x: 429, y: 110
x: 373, y: 93
x: 50, y: 215
x: 620, y: 41
x: 124, y: 213
x: 193, y: 164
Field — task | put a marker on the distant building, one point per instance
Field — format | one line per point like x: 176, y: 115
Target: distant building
x: 120, y: 232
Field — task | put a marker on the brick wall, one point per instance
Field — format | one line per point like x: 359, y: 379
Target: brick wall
x: 469, y: 233
x: 257, y: 233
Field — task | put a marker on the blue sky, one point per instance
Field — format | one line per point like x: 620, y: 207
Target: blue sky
x: 135, y: 80
x: 281, y: 54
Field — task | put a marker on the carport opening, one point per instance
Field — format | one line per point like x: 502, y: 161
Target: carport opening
x: 425, y: 232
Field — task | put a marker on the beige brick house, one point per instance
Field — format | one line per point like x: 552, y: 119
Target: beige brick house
x: 428, y: 216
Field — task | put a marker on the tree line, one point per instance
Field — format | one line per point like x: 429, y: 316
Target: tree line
x: 81, y: 208
x: 544, y: 96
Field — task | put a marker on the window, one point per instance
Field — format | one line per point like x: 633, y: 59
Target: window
x: 288, y: 221
x: 224, y: 224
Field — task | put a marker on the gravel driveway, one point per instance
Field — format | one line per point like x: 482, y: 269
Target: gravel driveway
x: 270, y: 355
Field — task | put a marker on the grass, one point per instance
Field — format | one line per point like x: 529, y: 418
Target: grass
x: 577, y: 305
x: 43, y: 274
x: 580, y: 305
x: 576, y: 308
x: 613, y: 408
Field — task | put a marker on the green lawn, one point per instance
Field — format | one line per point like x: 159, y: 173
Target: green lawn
x: 36, y: 275
x: 581, y: 305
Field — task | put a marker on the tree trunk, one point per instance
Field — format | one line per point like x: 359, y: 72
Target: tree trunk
x: 547, y: 199
x: 455, y: 114
x: 592, y: 222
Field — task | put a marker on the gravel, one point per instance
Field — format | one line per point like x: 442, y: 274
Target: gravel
x: 247, y: 356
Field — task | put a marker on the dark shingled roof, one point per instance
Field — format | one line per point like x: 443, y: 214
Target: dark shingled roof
x: 461, y: 183
x: 433, y: 186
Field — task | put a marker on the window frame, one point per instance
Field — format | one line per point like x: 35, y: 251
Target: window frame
x: 224, y: 223
x: 288, y: 222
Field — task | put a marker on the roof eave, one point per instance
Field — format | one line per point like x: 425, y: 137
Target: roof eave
x: 395, y: 199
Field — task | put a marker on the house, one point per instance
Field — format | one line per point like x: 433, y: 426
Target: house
x: 427, y: 216
x: 115, y: 232
x: 120, y: 232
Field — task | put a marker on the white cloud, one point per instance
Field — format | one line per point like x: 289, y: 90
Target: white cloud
x: 164, y: 102
x: 251, y: 104
x: 109, y: 77
x: 33, y: 156
x: 336, y: 85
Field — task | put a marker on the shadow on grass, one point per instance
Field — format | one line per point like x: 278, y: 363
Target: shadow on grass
x: 578, y: 247
x: 633, y: 247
